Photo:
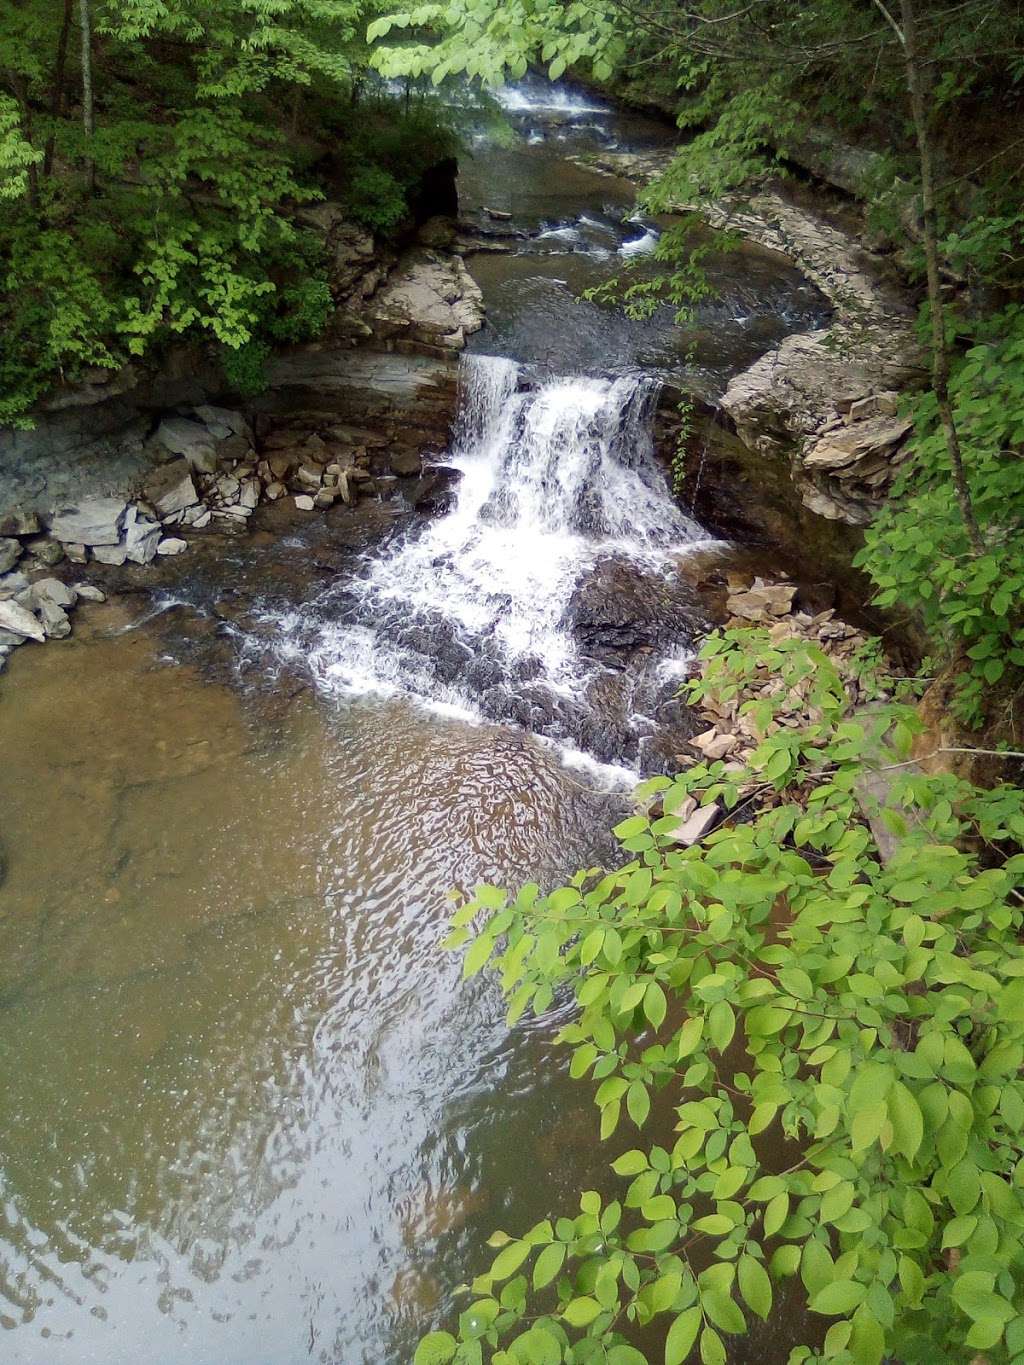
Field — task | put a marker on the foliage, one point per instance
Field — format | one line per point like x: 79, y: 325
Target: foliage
x: 214, y: 121
x: 840, y: 1040
x: 375, y: 199
x: 917, y: 550
x: 245, y: 367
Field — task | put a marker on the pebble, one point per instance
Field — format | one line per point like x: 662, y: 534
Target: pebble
x: 172, y: 545
x: 304, y: 502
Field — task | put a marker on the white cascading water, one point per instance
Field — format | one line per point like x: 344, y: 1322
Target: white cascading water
x: 552, y: 479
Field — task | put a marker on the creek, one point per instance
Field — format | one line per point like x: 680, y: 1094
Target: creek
x: 250, y: 1111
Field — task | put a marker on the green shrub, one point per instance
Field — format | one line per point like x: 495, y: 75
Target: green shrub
x: 842, y: 1040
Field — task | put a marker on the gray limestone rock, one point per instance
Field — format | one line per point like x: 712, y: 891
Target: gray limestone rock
x: 170, y: 488
x: 10, y: 553
x: 189, y: 439
x: 20, y: 621
x: 93, y: 522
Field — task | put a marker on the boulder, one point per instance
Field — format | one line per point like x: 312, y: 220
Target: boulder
x: 141, y: 538
x: 11, y: 584
x: 87, y: 593
x: 110, y: 554
x: 192, y: 440
x: 93, y: 522
x: 50, y: 590
x: 10, y: 553
x: 20, y: 621
x: 46, y: 551
x: 55, y: 620
x: 429, y: 300
x: 224, y: 422
x: 762, y: 600
x: 173, y: 545
x: 693, y: 828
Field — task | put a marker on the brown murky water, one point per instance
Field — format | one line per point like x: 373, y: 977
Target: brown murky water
x: 250, y: 1112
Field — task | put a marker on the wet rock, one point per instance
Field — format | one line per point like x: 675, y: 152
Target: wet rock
x: 622, y: 608
x: 93, y: 522
x: 435, y: 493
x: 172, y: 545
x: 88, y: 593
x: 405, y: 463
x: 275, y: 490
x: 10, y: 553
x: 76, y: 554
x: 20, y: 621
x: 304, y: 502
x: 192, y: 440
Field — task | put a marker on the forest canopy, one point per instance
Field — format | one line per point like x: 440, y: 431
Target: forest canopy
x: 152, y: 156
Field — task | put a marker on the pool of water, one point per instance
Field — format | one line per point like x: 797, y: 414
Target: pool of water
x: 250, y: 1111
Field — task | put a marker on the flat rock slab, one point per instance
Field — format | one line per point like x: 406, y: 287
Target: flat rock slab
x: 94, y: 521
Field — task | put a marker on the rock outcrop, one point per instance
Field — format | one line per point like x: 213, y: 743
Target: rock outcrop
x: 790, y: 404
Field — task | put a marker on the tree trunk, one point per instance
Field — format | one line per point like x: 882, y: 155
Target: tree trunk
x: 57, y: 89
x: 87, y: 97
x: 918, y: 87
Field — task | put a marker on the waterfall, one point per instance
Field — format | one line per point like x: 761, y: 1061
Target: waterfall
x: 471, y: 610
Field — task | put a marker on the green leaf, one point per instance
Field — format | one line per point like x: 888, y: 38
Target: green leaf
x: 549, y: 1263
x: 638, y: 1103
x: 722, y: 1309
x: 837, y: 1298
x: 681, y: 1336
x: 476, y: 955
x: 437, y: 1348
x: 630, y: 1163
x: 580, y: 1312
x: 690, y: 1035
x: 906, y: 1119
x: 776, y: 1214
x: 655, y: 1005
x: 712, y: 1348
x: 507, y: 1262
x: 755, y: 1286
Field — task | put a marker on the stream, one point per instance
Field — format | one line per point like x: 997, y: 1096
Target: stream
x: 250, y: 1111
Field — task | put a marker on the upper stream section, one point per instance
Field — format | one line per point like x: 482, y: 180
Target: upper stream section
x: 572, y: 229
